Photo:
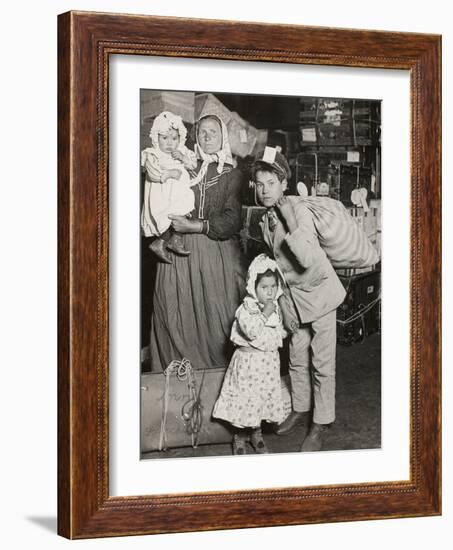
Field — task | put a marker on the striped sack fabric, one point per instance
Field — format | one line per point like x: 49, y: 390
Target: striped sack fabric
x: 341, y: 237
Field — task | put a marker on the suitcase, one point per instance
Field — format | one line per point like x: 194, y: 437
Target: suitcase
x: 176, y: 411
x: 251, y: 236
x: 359, y: 315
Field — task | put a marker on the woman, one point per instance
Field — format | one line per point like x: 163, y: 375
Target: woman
x: 196, y: 296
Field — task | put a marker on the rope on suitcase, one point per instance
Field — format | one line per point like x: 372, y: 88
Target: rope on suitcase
x: 191, y: 410
x: 360, y: 314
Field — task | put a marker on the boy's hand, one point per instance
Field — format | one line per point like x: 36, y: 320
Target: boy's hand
x: 177, y: 155
x: 287, y: 211
x: 269, y: 308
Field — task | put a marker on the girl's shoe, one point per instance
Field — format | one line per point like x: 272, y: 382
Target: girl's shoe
x: 239, y: 445
x: 257, y: 441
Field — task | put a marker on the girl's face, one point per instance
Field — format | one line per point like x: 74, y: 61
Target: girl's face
x: 266, y: 289
x: 210, y: 136
x: 168, y: 142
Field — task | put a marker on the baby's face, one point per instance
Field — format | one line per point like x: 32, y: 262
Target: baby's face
x: 168, y: 142
x: 266, y: 289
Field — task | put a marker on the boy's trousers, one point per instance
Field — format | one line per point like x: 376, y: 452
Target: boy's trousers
x: 312, y: 368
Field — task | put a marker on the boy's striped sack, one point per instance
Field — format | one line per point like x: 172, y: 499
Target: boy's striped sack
x: 342, y: 238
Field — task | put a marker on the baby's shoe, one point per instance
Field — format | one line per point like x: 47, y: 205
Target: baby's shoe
x: 257, y: 441
x: 158, y: 247
x: 176, y: 244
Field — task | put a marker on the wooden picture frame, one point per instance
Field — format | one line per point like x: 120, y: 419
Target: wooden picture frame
x: 85, y: 41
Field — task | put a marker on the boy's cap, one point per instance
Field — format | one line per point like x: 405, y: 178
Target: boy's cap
x: 273, y: 158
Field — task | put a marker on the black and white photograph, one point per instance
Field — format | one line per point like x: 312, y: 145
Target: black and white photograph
x: 215, y: 334
x: 260, y: 223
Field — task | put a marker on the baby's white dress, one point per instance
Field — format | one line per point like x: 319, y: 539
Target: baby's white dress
x: 172, y: 197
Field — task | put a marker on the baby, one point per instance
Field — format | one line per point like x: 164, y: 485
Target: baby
x: 167, y: 186
x: 251, y: 390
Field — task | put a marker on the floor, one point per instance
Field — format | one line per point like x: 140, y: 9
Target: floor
x: 358, y: 414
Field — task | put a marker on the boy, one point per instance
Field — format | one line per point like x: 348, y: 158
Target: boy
x: 312, y: 295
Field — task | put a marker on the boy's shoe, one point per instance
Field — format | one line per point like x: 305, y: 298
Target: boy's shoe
x: 294, y: 420
x: 314, y: 439
x: 239, y: 445
x: 257, y: 441
x: 158, y: 247
x: 176, y: 244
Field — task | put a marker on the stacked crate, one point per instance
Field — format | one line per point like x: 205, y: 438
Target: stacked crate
x: 353, y: 176
x: 365, y: 122
x: 179, y: 103
x: 208, y: 104
x: 153, y: 102
x: 319, y: 172
x: 338, y: 122
x: 243, y: 136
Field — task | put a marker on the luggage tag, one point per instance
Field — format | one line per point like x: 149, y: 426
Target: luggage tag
x: 363, y: 195
x: 302, y: 189
x: 358, y: 198
x: 269, y: 155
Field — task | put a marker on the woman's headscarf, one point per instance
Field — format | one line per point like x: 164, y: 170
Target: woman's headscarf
x: 222, y: 156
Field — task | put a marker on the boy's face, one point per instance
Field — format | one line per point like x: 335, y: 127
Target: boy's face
x: 266, y: 289
x: 269, y: 188
x: 168, y: 142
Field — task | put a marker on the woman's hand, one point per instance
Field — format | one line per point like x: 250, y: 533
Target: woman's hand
x: 287, y: 211
x: 181, y: 224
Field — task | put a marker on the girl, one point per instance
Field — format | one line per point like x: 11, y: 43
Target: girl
x: 167, y: 186
x: 251, y: 390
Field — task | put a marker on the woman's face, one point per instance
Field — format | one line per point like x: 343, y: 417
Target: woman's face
x: 210, y: 136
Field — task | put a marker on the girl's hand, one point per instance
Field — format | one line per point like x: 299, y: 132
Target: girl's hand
x: 181, y: 224
x: 269, y: 308
x: 287, y: 211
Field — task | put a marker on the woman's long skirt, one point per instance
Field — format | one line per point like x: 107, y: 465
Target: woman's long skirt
x: 194, y: 303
